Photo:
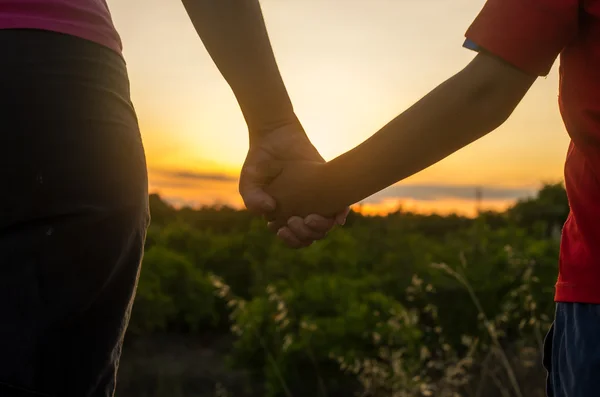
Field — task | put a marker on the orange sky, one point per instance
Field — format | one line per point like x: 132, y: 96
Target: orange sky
x: 350, y: 66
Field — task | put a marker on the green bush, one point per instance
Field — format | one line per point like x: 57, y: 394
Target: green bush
x: 172, y: 295
x: 400, y: 305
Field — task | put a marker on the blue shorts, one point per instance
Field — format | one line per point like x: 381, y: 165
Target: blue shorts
x: 572, y: 351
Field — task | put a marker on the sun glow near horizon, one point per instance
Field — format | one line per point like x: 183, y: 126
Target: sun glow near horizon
x: 356, y: 67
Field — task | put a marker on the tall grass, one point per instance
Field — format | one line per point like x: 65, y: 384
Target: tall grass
x: 484, y: 366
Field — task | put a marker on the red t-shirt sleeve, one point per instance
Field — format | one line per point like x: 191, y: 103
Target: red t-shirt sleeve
x: 528, y: 34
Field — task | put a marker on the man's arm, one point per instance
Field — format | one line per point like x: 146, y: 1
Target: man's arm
x: 234, y: 33
x: 466, y: 107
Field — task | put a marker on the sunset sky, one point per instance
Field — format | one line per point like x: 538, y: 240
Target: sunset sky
x: 350, y: 66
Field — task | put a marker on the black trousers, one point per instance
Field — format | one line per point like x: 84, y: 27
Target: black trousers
x: 73, y: 214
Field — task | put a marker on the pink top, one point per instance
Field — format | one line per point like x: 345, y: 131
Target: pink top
x: 88, y: 19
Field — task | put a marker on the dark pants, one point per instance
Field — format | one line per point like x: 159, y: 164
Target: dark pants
x: 572, y: 351
x: 73, y: 214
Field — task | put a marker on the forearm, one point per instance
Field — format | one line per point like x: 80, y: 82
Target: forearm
x: 234, y: 33
x: 458, y: 112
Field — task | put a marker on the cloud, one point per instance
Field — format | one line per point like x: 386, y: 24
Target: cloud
x: 210, y: 182
x: 179, y: 201
x: 196, y: 176
x: 444, y: 192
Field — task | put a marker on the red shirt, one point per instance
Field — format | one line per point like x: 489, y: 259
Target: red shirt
x: 87, y: 19
x: 530, y: 34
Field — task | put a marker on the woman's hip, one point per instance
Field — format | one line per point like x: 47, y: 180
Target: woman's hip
x: 69, y: 136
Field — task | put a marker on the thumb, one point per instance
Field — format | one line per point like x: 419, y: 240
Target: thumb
x: 253, y: 179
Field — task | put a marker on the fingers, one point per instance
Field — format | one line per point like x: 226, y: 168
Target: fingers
x: 304, y: 232
x: 286, y: 235
x: 299, y: 233
x: 319, y: 223
x: 312, y: 227
x: 254, y: 177
x: 296, y: 234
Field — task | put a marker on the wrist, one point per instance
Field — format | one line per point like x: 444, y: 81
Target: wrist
x: 288, y: 125
x: 333, y: 189
x: 351, y: 179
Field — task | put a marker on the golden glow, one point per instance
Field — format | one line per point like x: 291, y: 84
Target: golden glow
x: 442, y: 207
x: 349, y: 67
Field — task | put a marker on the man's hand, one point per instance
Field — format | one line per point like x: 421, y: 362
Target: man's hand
x: 267, y: 157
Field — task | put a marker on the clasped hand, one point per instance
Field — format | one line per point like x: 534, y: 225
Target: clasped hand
x: 282, y: 179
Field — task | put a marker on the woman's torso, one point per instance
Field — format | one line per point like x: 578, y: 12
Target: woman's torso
x: 87, y: 19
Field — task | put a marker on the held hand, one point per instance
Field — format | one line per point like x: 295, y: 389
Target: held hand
x: 281, y: 148
x: 302, y: 189
x: 298, y: 190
